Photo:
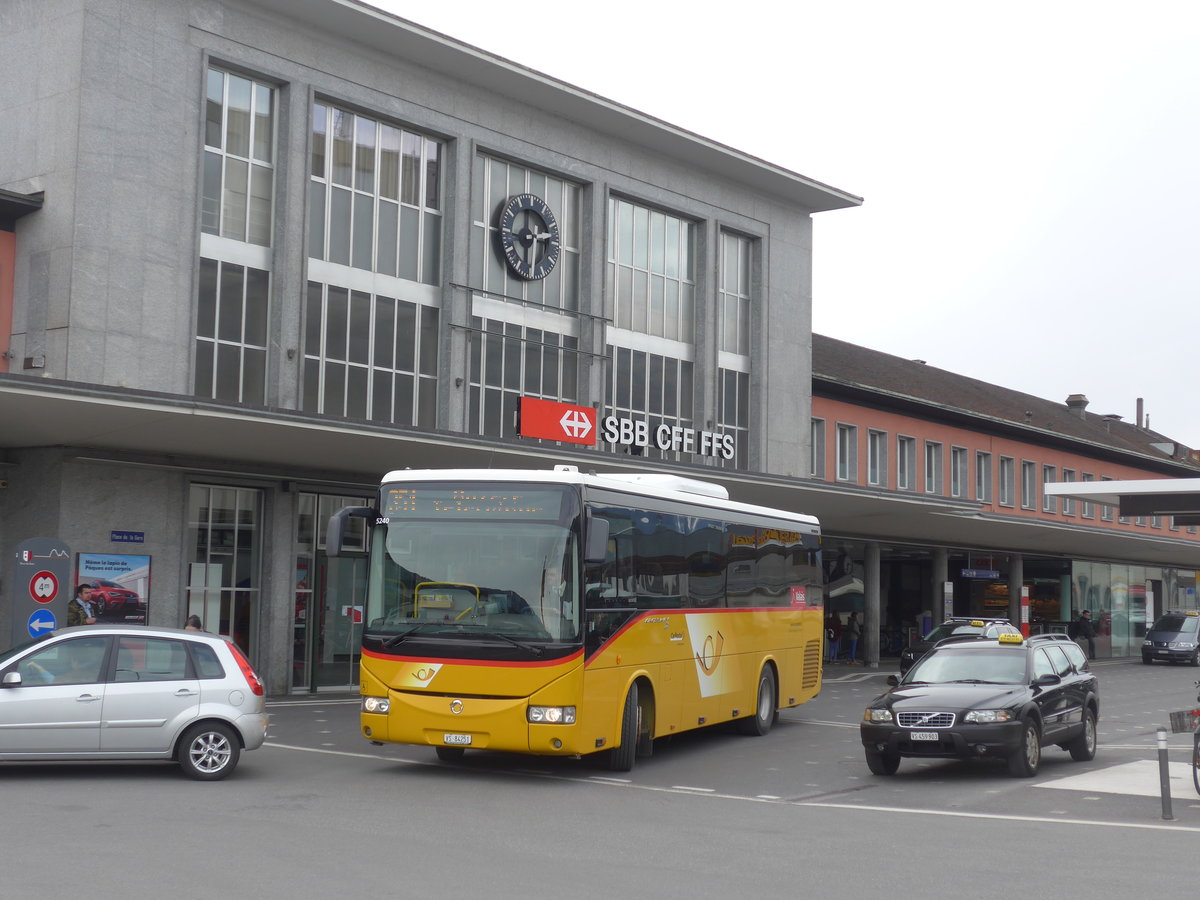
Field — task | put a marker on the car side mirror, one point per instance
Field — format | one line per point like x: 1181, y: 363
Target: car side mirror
x: 1047, y: 680
x: 892, y: 681
x: 12, y: 679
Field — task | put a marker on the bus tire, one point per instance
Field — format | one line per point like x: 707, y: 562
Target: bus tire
x: 621, y: 757
x: 765, y: 703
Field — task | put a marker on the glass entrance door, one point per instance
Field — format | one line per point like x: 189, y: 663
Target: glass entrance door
x: 329, y: 594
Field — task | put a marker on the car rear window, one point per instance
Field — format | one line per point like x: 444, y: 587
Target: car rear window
x: 204, y: 658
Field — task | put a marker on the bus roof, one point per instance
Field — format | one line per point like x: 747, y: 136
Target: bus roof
x: 648, y: 484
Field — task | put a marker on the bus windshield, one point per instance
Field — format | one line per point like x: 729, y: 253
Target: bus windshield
x: 449, y: 563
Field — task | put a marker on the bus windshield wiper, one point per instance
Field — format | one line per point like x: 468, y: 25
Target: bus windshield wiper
x: 397, y: 638
x: 531, y: 648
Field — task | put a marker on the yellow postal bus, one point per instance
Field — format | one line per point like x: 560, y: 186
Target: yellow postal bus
x: 564, y: 614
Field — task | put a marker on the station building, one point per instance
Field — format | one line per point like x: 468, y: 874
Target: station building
x: 256, y: 253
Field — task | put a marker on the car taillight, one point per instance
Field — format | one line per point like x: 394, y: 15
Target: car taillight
x: 252, y: 679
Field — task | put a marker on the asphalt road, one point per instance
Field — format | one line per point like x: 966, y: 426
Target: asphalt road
x: 320, y: 812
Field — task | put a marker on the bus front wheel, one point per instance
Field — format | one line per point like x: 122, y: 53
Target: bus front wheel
x: 621, y: 758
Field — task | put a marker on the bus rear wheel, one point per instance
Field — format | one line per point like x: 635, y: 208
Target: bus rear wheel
x: 764, y: 706
x: 620, y: 759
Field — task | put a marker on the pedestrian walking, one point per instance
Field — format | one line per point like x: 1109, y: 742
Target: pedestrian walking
x: 1086, y: 631
x: 833, y: 635
x: 851, y: 633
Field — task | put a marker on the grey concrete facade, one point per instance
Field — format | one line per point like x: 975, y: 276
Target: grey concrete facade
x: 103, y: 110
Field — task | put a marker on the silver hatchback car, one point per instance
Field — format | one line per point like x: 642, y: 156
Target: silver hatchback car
x: 128, y: 692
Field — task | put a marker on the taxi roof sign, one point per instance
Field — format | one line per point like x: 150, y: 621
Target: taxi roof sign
x: 1010, y: 639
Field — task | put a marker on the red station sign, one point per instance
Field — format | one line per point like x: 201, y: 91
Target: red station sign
x: 553, y: 421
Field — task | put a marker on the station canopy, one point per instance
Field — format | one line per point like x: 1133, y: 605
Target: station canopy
x: 1176, y: 497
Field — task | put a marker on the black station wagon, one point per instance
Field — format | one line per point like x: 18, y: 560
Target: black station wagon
x: 1005, y: 698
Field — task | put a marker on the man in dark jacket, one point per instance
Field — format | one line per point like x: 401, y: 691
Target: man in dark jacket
x: 1086, y: 630
x: 81, y: 610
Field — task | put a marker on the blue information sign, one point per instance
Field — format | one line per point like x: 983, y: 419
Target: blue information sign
x: 41, y: 622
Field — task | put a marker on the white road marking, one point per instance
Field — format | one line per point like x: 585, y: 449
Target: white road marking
x: 1139, y: 779
x: 855, y: 807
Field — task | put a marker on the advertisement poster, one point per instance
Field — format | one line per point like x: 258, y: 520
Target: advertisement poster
x: 120, y: 586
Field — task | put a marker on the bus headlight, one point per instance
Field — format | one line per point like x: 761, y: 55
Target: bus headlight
x: 378, y: 705
x: 551, y: 715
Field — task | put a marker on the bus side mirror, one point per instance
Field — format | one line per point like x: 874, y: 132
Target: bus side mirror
x: 596, y: 548
x: 335, y: 536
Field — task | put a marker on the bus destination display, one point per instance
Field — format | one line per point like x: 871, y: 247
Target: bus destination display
x: 480, y: 502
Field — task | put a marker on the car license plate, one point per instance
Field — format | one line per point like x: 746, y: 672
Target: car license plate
x: 458, y: 739
x: 923, y: 736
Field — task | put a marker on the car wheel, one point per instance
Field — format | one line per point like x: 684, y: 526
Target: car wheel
x: 1146, y: 660
x: 764, y: 706
x: 1083, y: 747
x: 450, y: 754
x: 883, y: 763
x: 1025, y: 760
x: 1195, y: 660
x: 209, y: 751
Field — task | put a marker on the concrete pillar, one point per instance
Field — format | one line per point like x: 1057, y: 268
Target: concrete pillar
x: 870, y: 636
x: 939, y: 576
x: 1016, y: 579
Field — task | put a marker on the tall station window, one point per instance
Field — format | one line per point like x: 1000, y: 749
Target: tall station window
x: 1049, y: 502
x: 735, y: 300
x: 1068, y: 475
x: 817, y: 440
x: 236, y: 224
x: 958, y: 472
x: 906, y: 463
x: 651, y: 304
x: 239, y: 158
x: 877, y: 457
x: 983, y: 476
x: 375, y: 219
x: 375, y: 196
x: 368, y: 356
x: 224, y: 567
x: 934, y: 465
x: 525, y: 321
x: 847, y: 453
x: 1008, y: 481
x: 1029, y: 484
x: 1087, y: 509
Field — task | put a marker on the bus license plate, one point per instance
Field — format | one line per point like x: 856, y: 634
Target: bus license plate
x: 923, y: 736
x: 457, y: 739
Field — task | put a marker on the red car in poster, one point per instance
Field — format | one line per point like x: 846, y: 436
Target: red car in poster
x: 115, y: 598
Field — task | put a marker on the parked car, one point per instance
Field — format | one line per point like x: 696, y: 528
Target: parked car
x: 127, y: 692
x: 1175, y: 637
x: 1005, y: 698
x: 955, y: 626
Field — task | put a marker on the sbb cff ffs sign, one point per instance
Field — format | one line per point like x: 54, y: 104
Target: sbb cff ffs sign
x: 554, y: 421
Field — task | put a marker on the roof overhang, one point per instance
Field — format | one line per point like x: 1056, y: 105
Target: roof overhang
x: 14, y: 205
x: 1177, y: 497
x: 411, y: 43
x: 126, y: 427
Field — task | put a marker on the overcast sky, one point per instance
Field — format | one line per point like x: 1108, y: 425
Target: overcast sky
x: 1030, y: 170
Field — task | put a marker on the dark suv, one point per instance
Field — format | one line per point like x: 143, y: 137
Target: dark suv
x: 1003, y: 699
x: 955, y: 626
x: 1175, y: 637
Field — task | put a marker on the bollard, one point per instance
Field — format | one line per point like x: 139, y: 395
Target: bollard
x: 1164, y: 774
